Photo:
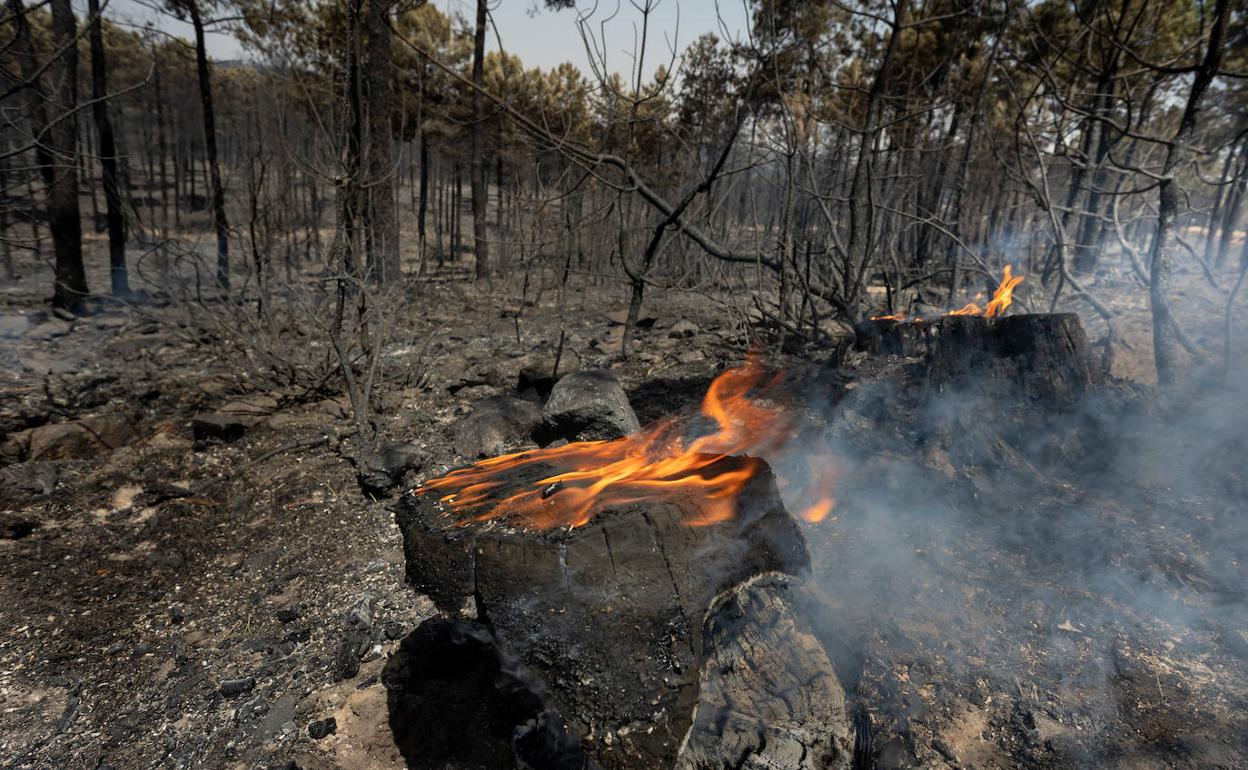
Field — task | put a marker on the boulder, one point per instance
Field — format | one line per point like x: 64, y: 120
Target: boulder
x: 683, y: 329
x: 495, y: 424
x: 215, y: 426
x: 383, y: 470
x: 585, y: 406
x: 79, y: 439
x: 538, y: 373
x: 50, y: 329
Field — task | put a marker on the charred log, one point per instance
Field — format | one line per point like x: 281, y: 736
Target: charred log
x: 770, y: 697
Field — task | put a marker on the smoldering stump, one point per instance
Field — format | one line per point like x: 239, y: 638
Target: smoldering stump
x: 622, y: 619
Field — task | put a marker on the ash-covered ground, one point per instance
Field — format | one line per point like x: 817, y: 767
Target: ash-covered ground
x: 1058, y: 589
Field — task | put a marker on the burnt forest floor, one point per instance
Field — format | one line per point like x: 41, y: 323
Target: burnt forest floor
x: 182, y: 602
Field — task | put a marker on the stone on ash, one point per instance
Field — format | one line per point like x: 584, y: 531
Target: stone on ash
x: 585, y: 406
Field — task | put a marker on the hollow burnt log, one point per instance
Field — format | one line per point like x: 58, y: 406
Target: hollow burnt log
x: 611, y: 615
x: 1042, y: 356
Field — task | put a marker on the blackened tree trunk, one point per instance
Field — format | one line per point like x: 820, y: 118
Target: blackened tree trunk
x: 63, y: 216
x: 423, y: 206
x: 478, y: 146
x: 108, y: 157
x: 35, y: 108
x: 383, y: 219
x: 861, y: 208
x: 220, y: 223
x: 1178, y: 152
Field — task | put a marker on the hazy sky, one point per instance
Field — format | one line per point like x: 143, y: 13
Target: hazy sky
x: 540, y: 37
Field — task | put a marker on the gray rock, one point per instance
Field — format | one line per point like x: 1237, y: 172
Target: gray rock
x: 347, y: 657
x: 361, y: 613
x: 215, y: 426
x: 384, y: 469
x: 585, y: 406
x: 83, y: 438
x: 537, y: 374
x: 13, y: 326
x: 495, y: 424
x: 683, y: 329
x: 50, y: 329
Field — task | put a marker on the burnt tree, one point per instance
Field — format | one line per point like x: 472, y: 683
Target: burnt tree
x: 64, y: 220
x: 108, y: 156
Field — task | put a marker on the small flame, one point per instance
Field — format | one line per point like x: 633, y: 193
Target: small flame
x: 577, y: 478
x: 1002, y: 298
x: 898, y: 316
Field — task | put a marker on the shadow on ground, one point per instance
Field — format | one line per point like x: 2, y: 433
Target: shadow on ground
x: 457, y: 702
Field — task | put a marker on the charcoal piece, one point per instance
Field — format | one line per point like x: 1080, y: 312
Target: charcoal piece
x: 609, y: 615
x: 232, y: 687
x: 785, y: 707
x: 322, y: 728
x: 587, y: 405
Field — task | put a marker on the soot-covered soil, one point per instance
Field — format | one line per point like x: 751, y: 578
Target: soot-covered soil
x: 168, y: 601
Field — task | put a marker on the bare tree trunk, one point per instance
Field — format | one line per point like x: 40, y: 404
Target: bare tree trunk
x: 861, y: 208
x: 423, y: 207
x: 6, y: 242
x: 162, y: 151
x: 36, y: 112
x: 210, y: 145
x: 1231, y: 211
x: 120, y: 283
x: 63, y: 217
x: 1165, y: 343
x: 478, y: 146
x: 383, y: 220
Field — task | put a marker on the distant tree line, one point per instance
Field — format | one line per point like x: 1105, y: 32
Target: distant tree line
x: 836, y: 159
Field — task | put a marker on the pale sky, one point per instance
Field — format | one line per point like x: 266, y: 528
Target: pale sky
x: 541, y: 38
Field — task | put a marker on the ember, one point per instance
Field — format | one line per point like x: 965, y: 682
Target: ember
x: 585, y: 475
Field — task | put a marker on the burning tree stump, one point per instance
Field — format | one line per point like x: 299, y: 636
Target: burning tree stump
x: 612, y: 616
x: 1042, y: 355
x: 890, y: 337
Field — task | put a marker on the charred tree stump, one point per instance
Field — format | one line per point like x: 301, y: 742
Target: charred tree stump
x: 1043, y: 356
x: 888, y: 337
x: 611, y: 616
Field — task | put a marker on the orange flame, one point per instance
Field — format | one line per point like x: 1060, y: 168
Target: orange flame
x: 573, y: 480
x: 1002, y: 298
x: 898, y: 316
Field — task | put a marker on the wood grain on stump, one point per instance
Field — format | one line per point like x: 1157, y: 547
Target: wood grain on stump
x: 610, y: 616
